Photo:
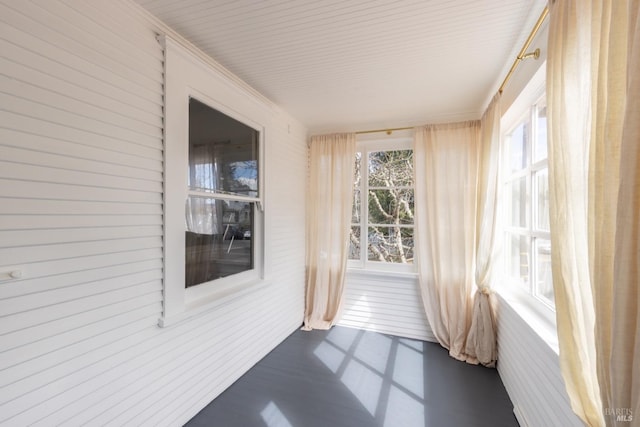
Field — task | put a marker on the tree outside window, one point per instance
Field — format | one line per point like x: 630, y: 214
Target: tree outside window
x: 383, y: 205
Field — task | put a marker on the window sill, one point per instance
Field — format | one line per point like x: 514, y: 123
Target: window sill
x: 382, y: 273
x: 214, y: 299
x: 536, y: 314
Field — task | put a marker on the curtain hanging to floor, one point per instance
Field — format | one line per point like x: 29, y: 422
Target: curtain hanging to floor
x: 446, y: 160
x: 481, y: 340
x: 593, y: 68
x: 330, y: 201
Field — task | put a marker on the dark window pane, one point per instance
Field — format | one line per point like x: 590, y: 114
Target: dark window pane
x: 223, y: 153
x: 219, y: 239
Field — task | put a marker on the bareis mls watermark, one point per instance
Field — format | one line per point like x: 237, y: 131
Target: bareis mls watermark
x: 619, y: 414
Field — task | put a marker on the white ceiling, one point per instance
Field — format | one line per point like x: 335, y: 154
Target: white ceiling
x: 345, y: 65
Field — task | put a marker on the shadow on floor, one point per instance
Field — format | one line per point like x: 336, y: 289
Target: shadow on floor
x: 352, y: 378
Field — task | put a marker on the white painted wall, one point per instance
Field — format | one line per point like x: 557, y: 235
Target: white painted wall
x: 80, y: 214
x: 385, y: 302
x: 530, y: 370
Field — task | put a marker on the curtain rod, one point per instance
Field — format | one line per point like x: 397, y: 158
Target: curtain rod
x: 523, y: 55
x: 387, y: 131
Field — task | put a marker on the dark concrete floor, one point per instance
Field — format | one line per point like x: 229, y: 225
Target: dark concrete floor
x: 353, y: 378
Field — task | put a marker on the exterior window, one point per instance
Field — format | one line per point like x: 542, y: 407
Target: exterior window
x: 214, y: 245
x: 222, y: 195
x: 383, y: 204
x: 526, y: 189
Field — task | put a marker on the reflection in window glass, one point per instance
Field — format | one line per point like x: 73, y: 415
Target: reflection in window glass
x: 223, y: 153
x: 223, y: 191
x: 218, y: 239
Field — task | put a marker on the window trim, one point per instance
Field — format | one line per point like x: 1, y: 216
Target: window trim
x: 534, y: 307
x: 366, y: 145
x: 530, y: 230
x: 187, y: 76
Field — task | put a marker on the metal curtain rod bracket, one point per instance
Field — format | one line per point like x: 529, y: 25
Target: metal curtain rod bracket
x: 523, y: 52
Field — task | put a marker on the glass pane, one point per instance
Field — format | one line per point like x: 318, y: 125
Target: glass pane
x: 391, y: 168
x: 542, y: 201
x: 518, y: 196
x: 390, y: 244
x: 540, y: 147
x: 544, y: 279
x: 354, y: 242
x: 519, y: 257
x: 223, y: 153
x: 218, y: 239
x: 356, y: 208
x: 357, y: 182
x: 391, y: 206
x: 519, y: 147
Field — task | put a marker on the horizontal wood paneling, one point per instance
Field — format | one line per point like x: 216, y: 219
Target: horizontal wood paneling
x: 32, y: 66
x: 18, y: 205
x: 81, y: 215
x: 36, y: 222
x: 385, y: 303
x: 41, y: 148
x: 94, y: 170
x: 530, y: 371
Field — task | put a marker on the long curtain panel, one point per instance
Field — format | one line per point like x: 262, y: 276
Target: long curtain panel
x: 481, y: 341
x: 592, y: 94
x: 330, y: 198
x: 625, y: 342
x: 446, y: 159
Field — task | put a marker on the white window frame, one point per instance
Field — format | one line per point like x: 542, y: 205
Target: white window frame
x: 187, y: 76
x: 366, y: 145
x: 524, y: 107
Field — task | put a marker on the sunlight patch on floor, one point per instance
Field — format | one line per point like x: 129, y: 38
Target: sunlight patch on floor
x: 273, y: 416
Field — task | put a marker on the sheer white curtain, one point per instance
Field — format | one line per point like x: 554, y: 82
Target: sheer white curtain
x: 446, y: 159
x: 330, y: 198
x: 481, y: 341
x: 201, y: 215
x: 592, y: 95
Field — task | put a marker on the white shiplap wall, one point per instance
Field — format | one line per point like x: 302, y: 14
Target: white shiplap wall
x: 385, y: 302
x: 530, y: 371
x: 81, y: 215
